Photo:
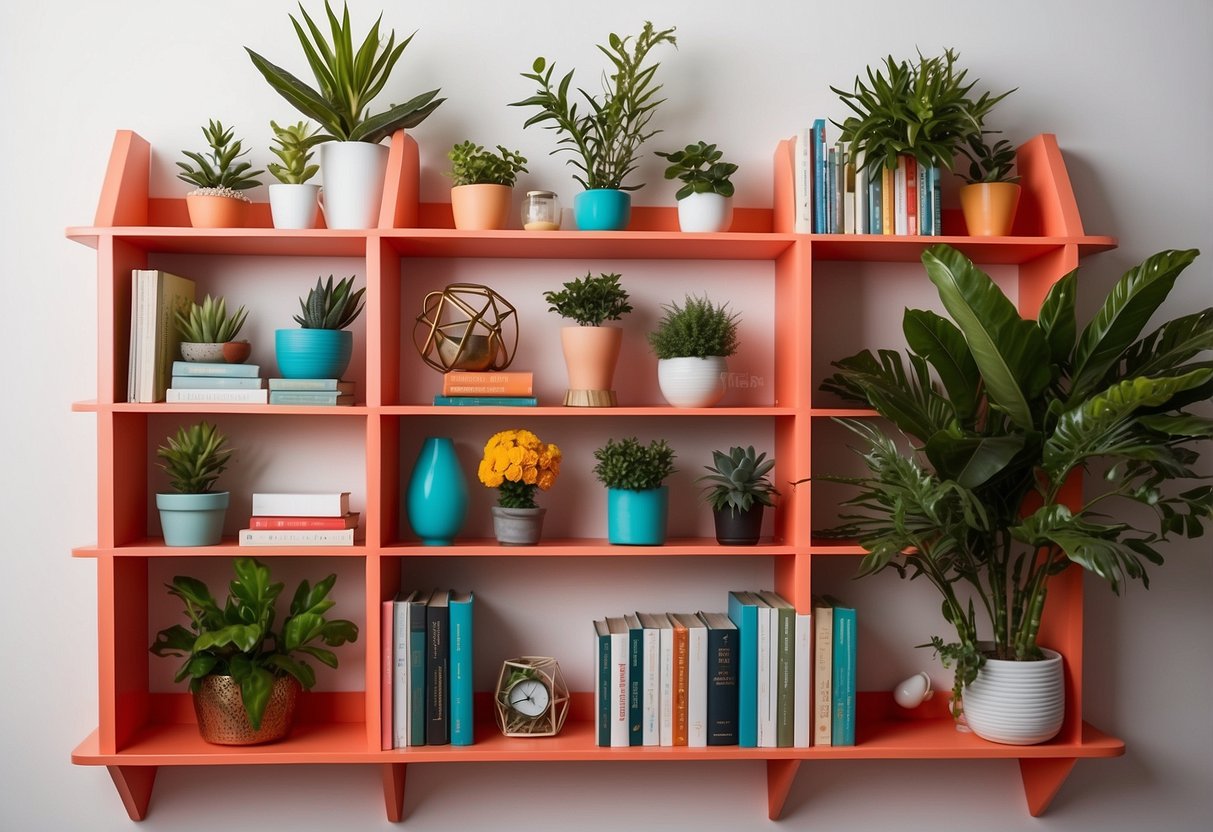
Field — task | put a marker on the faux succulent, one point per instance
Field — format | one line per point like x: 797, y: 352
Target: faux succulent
x: 633, y: 466
x: 219, y: 168
x: 208, y: 322
x: 697, y: 329
x: 471, y: 164
x: 293, y: 146
x: 330, y: 307
x: 194, y: 458
x: 699, y: 167
x: 589, y: 300
x: 988, y: 163
x: 738, y: 480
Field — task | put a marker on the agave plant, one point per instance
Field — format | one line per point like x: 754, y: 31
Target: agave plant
x: 208, y: 322
x: 1002, y: 413
x: 194, y: 457
x: 348, y: 78
x: 219, y: 168
x: 330, y: 307
x: 738, y: 480
x: 293, y: 146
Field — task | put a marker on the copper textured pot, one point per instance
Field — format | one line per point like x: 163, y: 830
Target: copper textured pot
x: 222, y: 719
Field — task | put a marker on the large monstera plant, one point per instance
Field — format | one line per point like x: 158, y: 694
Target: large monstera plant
x: 1000, y: 413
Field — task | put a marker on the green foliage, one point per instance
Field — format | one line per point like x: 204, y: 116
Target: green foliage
x: 329, y: 307
x: 347, y: 80
x: 988, y: 162
x: 471, y: 164
x: 738, y: 480
x: 208, y: 322
x: 606, y: 132
x: 922, y: 108
x: 294, y: 147
x: 194, y: 458
x: 219, y: 168
x: 628, y: 464
x: 697, y: 329
x: 589, y: 300
x: 999, y: 409
x: 239, y: 639
x: 699, y: 166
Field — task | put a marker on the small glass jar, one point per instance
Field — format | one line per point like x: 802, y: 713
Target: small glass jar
x: 540, y: 211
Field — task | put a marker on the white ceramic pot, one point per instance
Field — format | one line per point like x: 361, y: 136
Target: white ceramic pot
x: 294, y: 206
x: 692, y: 382
x: 353, y: 183
x: 705, y: 212
x: 1017, y: 703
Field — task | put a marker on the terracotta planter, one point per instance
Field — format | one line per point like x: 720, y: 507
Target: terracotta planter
x: 989, y: 208
x: 480, y: 207
x: 222, y: 719
x: 208, y: 211
x: 590, y: 355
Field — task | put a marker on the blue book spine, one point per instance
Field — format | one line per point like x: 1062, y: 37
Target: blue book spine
x: 924, y: 201
x: 485, y: 401
x: 208, y: 368
x: 831, y: 183
x: 819, y: 176
x: 306, y: 397
x: 745, y: 616
x: 635, y: 685
x: 461, y: 668
x: 215, y: 383
x: 936, y: 203
x: 417, y: 670
x: 876, y: 223
x: 842, y: 723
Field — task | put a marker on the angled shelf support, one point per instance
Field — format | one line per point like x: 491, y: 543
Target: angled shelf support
x: 1042, y: 778
x: 393, y: 790
x: 780, y: 776
x: 134, y: 784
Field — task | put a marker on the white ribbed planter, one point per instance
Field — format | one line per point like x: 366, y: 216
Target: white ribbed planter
x: 1017, y: 703
x: 692, y: 382
x: 705, y: 212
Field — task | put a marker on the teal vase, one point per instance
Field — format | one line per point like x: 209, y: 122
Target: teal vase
x: 437, y: 497
x: 602, y: 209
x: 637, y: 518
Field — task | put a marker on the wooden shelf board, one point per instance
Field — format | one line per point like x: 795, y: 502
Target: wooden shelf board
x: 178, y: 743
x: 843, y: 412
x: 588, y: 547
x: 155, y: 548
x: 981, y: 250
x: 580, y: 245
x: 358, y: 410
x: 562, y: 412
x: 255, y: 241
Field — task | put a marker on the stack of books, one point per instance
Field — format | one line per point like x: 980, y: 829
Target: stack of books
x: 154, y: 342
x: 427, y: 669
x: 301, y: 520
x: 502, y: 388
x: 330, y: 392
x: 204, y: 381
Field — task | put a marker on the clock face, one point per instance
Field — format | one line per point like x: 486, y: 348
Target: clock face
x: 530, y: 698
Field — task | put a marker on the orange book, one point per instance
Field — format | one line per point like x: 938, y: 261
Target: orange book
x: 682, y: 678
x: 887, y: 188
x: 501, y: 383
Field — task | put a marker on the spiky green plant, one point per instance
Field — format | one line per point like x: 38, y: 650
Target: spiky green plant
x: 293, y: 145
x: 219, y: 168
x: 194, y: 457
x: 471, y: 164
x: 589, y: 300
x: 699, y: 166
x: 738, y: 480
x: 697, y: 329
x: 988, y: 162
x: 330, y: 307
x: 208, y: 322
x: 628, y: 464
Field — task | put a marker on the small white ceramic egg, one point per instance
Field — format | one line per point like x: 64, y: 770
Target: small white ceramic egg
x: 913, y: 691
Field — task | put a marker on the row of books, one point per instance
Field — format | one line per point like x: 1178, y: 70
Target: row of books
x: 281, y: 519
x: 427, y: 669
x: 501, y: 388
x: 836, y: 194
x: 202, y: 381
x: 154, y: 342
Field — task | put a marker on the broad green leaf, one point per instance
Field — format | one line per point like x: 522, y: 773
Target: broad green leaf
x: 300, y: 629
x: 300, y: 670
x: 906, y: 398
x: 327, y: 657
x: 1169, y: 346
x: 301, y: 96
x: 939, y: 341
x: 255, y: 688
x: 971, y: 460
x: 337, y: 633
x: 1180, y: 424
x: 173, y: 641
x: 243, y: 637
x: 1057, y: 318
x: 401, y: 117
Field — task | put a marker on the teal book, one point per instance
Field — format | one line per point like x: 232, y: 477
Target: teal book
x: 602, y: 692
x: 743, y: 612
x: 461, y: 668
x: 784, y: 634
x: 486, y: 401
x: 321, y: 384
x: 925, y: 210
x: 635, y: 680
x: 216, y: 383
x: 842, y: 722
x: 417, y: 667
x: 208, y: 368
x: 819, y: 176
x: 875, y: 195
x: 311, y: 397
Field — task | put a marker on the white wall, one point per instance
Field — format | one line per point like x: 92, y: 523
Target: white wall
x: 1126, y: 86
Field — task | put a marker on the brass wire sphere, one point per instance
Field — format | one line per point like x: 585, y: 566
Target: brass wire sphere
x: 466, y: 326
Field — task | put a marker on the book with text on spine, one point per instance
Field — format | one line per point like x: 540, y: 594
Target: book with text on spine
x: 437, y: 669
x: 743, y: 612
x: 722, y: 654
x: 279, y: 504
x: 323, y: 398
x: 296, y: 537
x: 312, y: 384
x: 486, y: 401
x: 636, y: 672
x: 176, y: 396
x: 349, y: 521
x: 823, y: 670
x: 211, y: 368
x: 216, y: 383
x: 842, y: 696
x: 462, y: 641
x: 398, y: 661
x: 783, y: 651
x: 656, y: 665
x: 697, y: 677
x: 618, y: 682
x: 499, y: 383
x: 418, y: 652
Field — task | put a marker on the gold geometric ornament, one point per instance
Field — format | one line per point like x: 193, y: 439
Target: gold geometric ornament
x: 466, y: 326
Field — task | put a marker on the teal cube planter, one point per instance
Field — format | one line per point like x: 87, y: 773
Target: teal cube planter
x: 313, y: 353
x: 602, y: 209
x: 637, y: 518
x: 192, y: 519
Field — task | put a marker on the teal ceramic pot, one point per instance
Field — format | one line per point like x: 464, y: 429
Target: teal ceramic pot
x: 602, y: 209
x: 437, y: 498
x: 313, y: 353
x: 637, y: 518
x: 192, y: 519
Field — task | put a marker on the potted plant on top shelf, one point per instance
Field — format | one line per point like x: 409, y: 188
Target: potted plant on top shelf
x: 217, y: 201
x: 1003, y: 413
x: 638, y: 504
x: 606, y: 132
x: 991, y: 195
x: 348, y: 78
x: 481, y: 183
x: 705, y: 201
x: 322, y: 347
x: 208, y: 333
x: 193, y: 458
x: 293, y: 202
x: 590, y: 348
x: 691, y: 343
x: 738, y: 488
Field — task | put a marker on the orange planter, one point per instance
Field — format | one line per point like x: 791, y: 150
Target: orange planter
x: 480, y: 207
x: 989, y: 208
x: 590, y: 354
x: 216, y: 211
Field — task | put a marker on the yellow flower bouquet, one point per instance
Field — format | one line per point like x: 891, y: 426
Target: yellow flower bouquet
x: 516, y: 462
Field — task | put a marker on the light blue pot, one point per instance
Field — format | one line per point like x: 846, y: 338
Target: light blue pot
x: 602, y: 209
x: 313, y: 353
x: 437, y: 497
x: 637, y: 518
x: 192, y: 519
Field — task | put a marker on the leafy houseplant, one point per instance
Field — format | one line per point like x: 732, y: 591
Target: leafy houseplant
x: 516, y: 463
x: 637, y: 502
x: 590, y: 301
x: 591, y: 350
x: 240, y: 639
x: 480, y: 195
x: 293, y: 202
x: 206, y: 330
x: 217, y: 201
x: 738, y: 487
x: 193, y: 458
x: 691, y: 343
x: 991, y: 196
x: 705, y: 199
x: 322, y: 347
x: 1003, y: 413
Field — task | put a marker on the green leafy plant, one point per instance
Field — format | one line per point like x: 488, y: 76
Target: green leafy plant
x: 348, y: 78
x: 697, y: 329
x: 1002, y: 413
x: 923, y: 109
x: 219, y: 169
x: 606, y: 132
x: 699, y: 166
x: 988, y: 162
x: 630, y: 465
x: 240, y: 640
x: 589, y: 300
x: 194, y: 458
x: 208, y: 322
x: 471, y: 164
x: 738, y: 480
x: 294, y: 145
x: 330, y: 307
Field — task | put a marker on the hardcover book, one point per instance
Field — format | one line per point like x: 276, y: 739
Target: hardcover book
x: 349, y: 521
x: 618, y: 693
x: 326, y: 504
x: 682, y: 669
x: 176, y: 396
x: 437, y: 669
x: 635, y: 680
x: 161, y: 294
x: 216, y: 383
x: 500, y: 383
x: 722, y: 661
x: 324, y: 398
x: 656, y: 666
x: 462, y: 663
x: 210, y: 369
x: 486, y: 401
x: 418, y: 603
x: 823, y: 670
x: 296, y: 537
x: 399, y: 663
x: 387, y: 666
x: 697, y: 678
x: 842, y: 724
x: 312, y: 384
x: 743, y: 612
x: 784, y: 625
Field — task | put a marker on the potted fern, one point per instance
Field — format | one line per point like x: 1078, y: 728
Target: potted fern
x: 322, y: 346
x: 607, y: 132
x: 590, y: 348
x: 691, y: 343
x: 293, y: 202
x: 638, y: 504
x: 193, y: 458
x: 349, y: 77
x: 705, y: 200
x: 991, y: 195
x: 218, y: 201
x: 738, y: 488
x: 481, y: 183
x: 208, y: 333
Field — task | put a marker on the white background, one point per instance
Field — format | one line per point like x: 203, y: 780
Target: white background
x: 1126, y: 86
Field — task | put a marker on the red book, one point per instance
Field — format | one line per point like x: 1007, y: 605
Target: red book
x: 267, y: 523
x: 501, y: 383
x: 387, y: 666
x: 911, y: 195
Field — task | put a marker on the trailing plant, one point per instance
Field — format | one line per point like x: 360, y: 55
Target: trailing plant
x: 1002, y: 413
x: 697, y: 329
x: 330, y: 307
x: 628, y: 464
x: 471, y: 164
x: 208, y: 322
x: 605, y: 133
x: 923, y: 109
x: 699, y: 166
x: 218, y: 169
x: 294, y: 147
x: 348, y: 78
x: 194, y: 458
x: 240, y: 640
x: 988, y: 162
x: 589, y: 300
x: 516, y: 462
x: 738, y: 480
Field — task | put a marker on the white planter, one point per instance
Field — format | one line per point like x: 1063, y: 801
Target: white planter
x: 692, y: 382
x: 1017, y: 703
x: 353, y: 183
x: 294, y: 206
x: 705, y: 212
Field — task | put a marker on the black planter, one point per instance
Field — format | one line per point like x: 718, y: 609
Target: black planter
x: 738, y: 528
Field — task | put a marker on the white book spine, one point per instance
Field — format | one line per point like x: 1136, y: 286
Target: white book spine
x: 619, y: 690
x: 145, y: 384
x: 296, y: 537
x: 803, y: 185
x: 697, y: 688
x: 270, y: 504
x: 766, y: 685
x: 666, y: 719
x: 216, y: 396
x: 803, y: 690
x: 400, y: 678
x: 862, y: 225
x: 650, y: 721
x: 900, y: 217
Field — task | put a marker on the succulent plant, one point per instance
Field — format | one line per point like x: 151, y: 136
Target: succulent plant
x: 294, y: 147
x: 330, y: 307
x: 699, y: 166
x: 194, y: 458
x: 471, y: 164
x: 738, y: 480
x: 219, y: 168
x: 590, y: 301
x: 630, y: 465
x: 697, y: 329
x: 988, y: 163
x: 208, y: 322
